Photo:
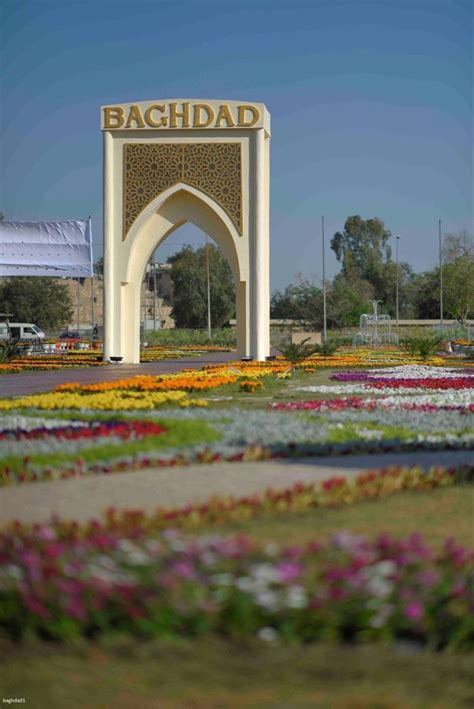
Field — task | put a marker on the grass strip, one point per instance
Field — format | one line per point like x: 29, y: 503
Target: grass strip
x: 206, y: 673
x: 178, y: 433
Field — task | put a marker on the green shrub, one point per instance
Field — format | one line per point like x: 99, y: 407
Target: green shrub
x: 8, y: 351
x: 423, y: 346
x: 327, y: 348
x: 298, y: 352
x: 180, y: 337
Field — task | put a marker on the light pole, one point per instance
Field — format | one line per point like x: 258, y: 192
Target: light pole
x: 209, y: 330
x: 325, y: 334
x: 154, y: 291
x: 397, y: 278
x: 440, y: 274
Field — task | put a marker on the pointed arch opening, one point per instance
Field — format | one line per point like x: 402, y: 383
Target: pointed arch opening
x: 160, y: 220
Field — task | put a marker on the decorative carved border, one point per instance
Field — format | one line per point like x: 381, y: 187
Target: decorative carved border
x: 151, y: 168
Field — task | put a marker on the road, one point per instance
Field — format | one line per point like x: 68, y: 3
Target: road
x: 34, y: 382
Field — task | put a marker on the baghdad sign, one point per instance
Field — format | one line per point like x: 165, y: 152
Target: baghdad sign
x: 184, y: 114
x: 172, y: 161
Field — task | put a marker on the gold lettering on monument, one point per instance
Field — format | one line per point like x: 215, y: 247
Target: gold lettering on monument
x: 136, y: 116
x: 181, y: 115
x: 113, y: 117
x: 175, y: 114
x: 224, y: 115
x: 149, y: 120
x: 241, y: 113
x: 197, y: 108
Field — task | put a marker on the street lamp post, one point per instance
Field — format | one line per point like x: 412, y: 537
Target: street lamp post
x: 441, y: 317
x: 397, y: 282
x: 154, y: 291
x: 209, y: 328
x: 325, y: 332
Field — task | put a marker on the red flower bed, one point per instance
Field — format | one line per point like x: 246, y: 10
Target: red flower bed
x: 105, y: 429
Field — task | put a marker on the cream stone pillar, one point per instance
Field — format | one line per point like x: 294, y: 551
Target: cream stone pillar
x: 259, y: 256
x: 242, y: 316
x: 111, y: 295
x: 168, y: 162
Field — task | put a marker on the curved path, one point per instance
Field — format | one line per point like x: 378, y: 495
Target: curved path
x: 34, y: 382
x: 85, y: 498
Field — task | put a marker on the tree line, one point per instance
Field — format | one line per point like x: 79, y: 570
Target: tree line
x: 368, y: 271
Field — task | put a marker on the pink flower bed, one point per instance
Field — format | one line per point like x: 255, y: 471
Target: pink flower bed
x: 115, y: 581
x: 398, y: 381
x: 355, y: 402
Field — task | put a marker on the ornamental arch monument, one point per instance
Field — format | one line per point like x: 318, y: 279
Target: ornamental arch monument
x: 168, y: 162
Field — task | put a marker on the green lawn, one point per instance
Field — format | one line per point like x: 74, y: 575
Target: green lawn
x: 208, y: 674
x: 272, y: 390
x: 435, y: 514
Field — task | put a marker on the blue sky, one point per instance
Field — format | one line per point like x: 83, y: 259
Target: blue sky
x: 371, y: 105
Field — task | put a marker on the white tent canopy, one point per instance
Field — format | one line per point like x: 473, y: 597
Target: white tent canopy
x: 58, y: 249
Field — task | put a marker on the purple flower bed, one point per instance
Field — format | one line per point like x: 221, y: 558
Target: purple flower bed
x: 59, y: 586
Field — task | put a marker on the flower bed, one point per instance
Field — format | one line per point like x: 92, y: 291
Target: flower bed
x: 78, y: 430
x: 250, y: 436
x: 93, y: 358
x: 78, y: 436
x: 347, y: 588
x: 101, y: 401
x: 411, y: 377
x: 333, y: 492
x: 432, y: 419
x: 408, y: 384
x: 192, y: 380
x: 156, y: 353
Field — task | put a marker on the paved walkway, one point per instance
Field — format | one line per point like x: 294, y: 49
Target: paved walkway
x: 85, y: 498
x: 33, y: 382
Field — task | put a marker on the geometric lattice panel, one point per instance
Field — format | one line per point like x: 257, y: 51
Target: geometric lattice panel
x: 151, y: 168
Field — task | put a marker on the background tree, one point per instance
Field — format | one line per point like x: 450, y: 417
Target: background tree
x: 458, y: 276
x: 43, y: 301
x: 363, y: 249
x: 427, y: 295
x: 347, y: 300
x: 456, y: 245
x: 302, y: 302
x: 458, y: 282
x: 188, y: 275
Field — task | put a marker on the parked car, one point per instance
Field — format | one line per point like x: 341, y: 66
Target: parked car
x: 70, y: 335
x: 27, y: 331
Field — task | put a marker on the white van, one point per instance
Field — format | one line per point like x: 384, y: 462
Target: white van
x: 25, y: 331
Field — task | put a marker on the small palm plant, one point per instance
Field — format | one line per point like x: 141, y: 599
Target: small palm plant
x: 8, y: 351
x: 297, y: 352
x: 423, y: 346
x: 326, y: 348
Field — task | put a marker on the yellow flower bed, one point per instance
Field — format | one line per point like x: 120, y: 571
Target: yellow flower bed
x: 193, y: 380
x: 101, y: 401
x: 347, y: 357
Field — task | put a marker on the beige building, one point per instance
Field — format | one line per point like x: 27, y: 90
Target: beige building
x: 87, y: 298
